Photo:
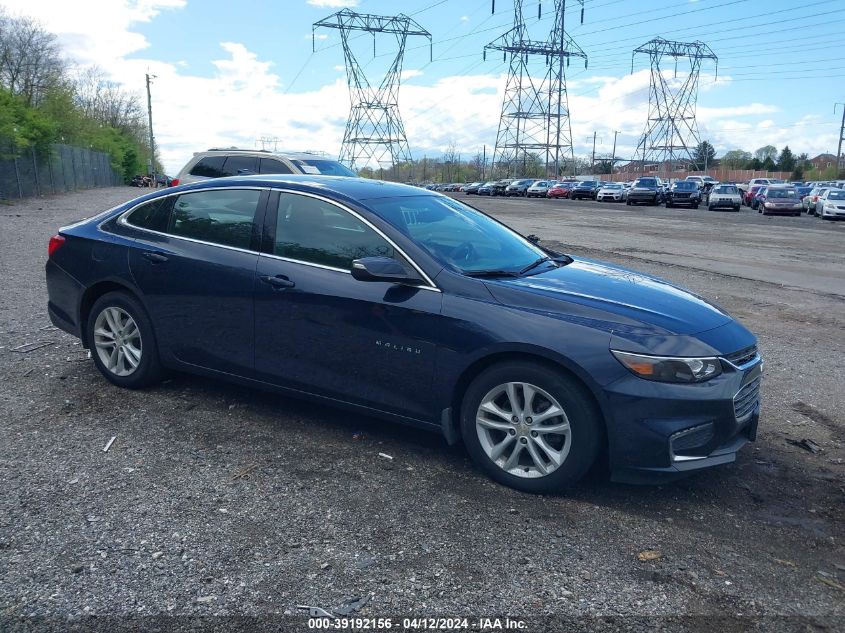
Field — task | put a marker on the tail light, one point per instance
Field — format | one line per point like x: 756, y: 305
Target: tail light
x: 55, y: 244
x: 174, y: 182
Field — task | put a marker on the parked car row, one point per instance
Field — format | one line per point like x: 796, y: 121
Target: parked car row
x: 773, y: 197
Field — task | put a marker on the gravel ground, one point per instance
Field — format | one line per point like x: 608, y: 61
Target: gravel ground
x: 214, y: 500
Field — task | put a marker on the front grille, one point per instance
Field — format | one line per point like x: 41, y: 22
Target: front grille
x: 742, y: 357
x: 746, y: 399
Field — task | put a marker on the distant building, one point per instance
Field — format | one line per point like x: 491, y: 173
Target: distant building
x: 823, y: 161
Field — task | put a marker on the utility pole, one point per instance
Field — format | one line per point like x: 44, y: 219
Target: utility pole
x: 484, y: 162
x: 152, y: 138
x: 593, y: 159
x: 613, y: 156
x: 840, y: 162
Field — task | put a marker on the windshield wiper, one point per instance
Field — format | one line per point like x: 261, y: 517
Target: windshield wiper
x: 534, y: 264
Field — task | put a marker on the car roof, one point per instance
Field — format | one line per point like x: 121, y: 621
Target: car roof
x: 352, y: 188
x: 222, y: 151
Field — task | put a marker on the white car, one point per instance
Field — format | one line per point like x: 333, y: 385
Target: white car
x: 724, y: 196
x: 540, y: 188
x: 831, y: 204
x: 612, y: 192
x: 217, y: 163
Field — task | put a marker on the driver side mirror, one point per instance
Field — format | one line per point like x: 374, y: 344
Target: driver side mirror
x: 383, y: 269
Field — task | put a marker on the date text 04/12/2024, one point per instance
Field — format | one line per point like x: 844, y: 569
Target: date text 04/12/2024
x: 417, y: 624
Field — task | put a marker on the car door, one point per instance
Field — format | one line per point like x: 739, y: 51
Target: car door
x: 195, y: 266
x: 320, y: 330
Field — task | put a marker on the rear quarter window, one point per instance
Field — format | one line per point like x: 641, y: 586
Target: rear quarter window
x: 151, y: 215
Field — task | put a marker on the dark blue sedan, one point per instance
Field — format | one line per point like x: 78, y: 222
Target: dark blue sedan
x: 399, y: 302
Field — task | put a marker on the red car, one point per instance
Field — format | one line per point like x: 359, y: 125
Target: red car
x: 560, y: 190
x: 749, y: 195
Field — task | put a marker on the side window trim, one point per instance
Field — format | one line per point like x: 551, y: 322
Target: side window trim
x: 269, y: 236
x: 257, y: 219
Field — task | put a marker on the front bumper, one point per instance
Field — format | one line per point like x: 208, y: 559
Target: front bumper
x: 643, y: 196
x: 830, y: 214
x: 724, y: 203
x: 663, y: 430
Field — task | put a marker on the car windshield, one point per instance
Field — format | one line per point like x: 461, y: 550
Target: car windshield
x: 646, y: 182
x: 689, y: 185
x: 456, y: 234
x: 324, y: 167
x: 726, y: 189
x: 613, y: 186
x: 587, y: 183
x: 836, y: 195
x: 782, y: 193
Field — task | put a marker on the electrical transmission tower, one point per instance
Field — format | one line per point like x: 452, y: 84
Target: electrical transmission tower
x: 374, y: 131
x: 535, y: 110
x: 671, y: 132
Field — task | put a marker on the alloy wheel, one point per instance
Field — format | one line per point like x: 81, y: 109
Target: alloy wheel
x: 117, y: 340
x: 523, y: 430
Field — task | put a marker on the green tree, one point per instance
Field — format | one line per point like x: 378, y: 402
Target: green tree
x: 703, y: 156
x: 786, y: 160
x: 736, y: 158
x: 769, y: 164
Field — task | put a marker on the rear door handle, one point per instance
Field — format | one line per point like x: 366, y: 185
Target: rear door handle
x: 278, y: 281
x: 155, y: 258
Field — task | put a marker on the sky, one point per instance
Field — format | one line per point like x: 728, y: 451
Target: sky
x: 231, y: 73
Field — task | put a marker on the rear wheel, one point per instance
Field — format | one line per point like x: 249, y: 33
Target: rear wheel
x: 530, y: 428
x: 122, y: 341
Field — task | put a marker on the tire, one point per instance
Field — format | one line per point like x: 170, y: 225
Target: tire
x: 627, y: 203
x: 578, y: 449
x: 669, y: 205
x: 109, y: 311
x: 695, y: 206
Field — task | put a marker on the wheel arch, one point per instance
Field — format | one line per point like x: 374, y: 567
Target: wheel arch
x: 94, y: 292
x: 559, y: 364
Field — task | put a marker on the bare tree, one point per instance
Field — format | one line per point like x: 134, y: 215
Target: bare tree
x: 107, y: 102
x: 30, y: 58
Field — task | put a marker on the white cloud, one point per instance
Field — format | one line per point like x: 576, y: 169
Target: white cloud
x: 316, y: 36
x: 464, y: 18
x: 333, y: 4
x: 96, y: 30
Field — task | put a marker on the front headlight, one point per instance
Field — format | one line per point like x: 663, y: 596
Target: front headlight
x: 669, y: 369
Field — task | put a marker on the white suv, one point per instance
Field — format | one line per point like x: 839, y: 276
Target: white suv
x: 217, y: 163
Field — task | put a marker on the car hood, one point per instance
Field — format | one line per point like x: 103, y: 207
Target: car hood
x: 623, y: 299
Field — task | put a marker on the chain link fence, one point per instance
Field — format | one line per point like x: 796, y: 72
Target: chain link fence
x: 26, y: 173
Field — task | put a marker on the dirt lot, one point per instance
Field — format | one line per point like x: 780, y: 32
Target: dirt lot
x: 215, y: 500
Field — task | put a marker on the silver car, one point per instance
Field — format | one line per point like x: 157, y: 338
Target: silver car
x: 831, y: 204
x: 218, y: 163
x: 540, y: 188
x: 725, y: 197
x: 612, y: 192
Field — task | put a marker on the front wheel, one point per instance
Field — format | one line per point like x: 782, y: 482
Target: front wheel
x: 530, y: 428
x: 122, y: 341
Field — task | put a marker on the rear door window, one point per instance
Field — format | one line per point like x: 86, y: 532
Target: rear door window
x: 221, y: 216
x: 209, y: 167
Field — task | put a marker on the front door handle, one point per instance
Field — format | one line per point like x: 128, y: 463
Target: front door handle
x: 156, y: 258
x: 278, y: 281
